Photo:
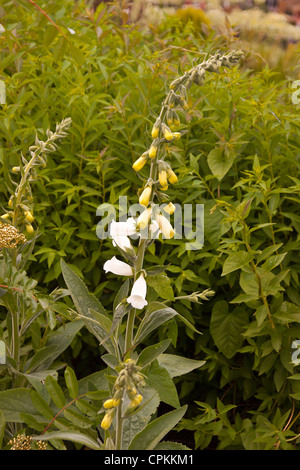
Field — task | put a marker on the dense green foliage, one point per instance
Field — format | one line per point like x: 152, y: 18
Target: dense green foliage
x: 239, y: 157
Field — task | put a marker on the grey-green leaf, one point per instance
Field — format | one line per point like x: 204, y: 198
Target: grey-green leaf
x: 73, y: 436
x: 178, y: 365
x: 155, y: 431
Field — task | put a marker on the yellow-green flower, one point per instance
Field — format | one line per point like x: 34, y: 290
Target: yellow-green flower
x: 29, y: 228
x: 140, y: 162
x: 170, y: 208
x: 144, y: 218
x: 163, y: 178
x: 171, y: 176
x: 153, y: 149
x: 28, y: 216
x: 111, y: 403
x: 145, y: 196
x: 107, y: 420
x: 156, y: 128
x: 168, y: 134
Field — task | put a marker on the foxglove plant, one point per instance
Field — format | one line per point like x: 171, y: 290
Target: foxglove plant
x: 131, y: 371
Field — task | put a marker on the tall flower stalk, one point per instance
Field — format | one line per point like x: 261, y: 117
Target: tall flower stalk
x: 164, y: 132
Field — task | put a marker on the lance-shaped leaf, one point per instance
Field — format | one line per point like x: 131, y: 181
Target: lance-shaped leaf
x: 178, y: 365
x: 154, y: 320
x: 160, y: 379
x: 73, y: 436
x: 84, y: 301
x: 155, y: 431
x: 101, y: 326
x: 150, y: 353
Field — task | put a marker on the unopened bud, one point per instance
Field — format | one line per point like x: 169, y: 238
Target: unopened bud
x: 156, y: 128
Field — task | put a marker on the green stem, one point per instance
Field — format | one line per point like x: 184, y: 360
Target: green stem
x: 15, y: 348
x: 257, y: 276
x: 119, y: 427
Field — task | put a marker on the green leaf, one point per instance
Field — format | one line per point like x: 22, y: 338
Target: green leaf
x: 155, y: 431
x: 178, y: 365
x: 41, y: 405
x: 82, y: 298
x: 101, y: 327
x: 139, y: 419
x: 32, y: 422
x: 73, y: 436
x: 169, y: 445
x: 122, y: 294
x: 78, y: 419
x: 273, y: 261
x: 16, y: 401
x: 55, y: 392
x: 161, y: 381
x: 226, y: 327
x: 150, y: 353
x: 236, y: 261
x: 58, y: 342
x: 220, y: 163
x: 71, y: 382
x: 153, y: 321
x: 267, y: 252
x: 2, y: 426
x: 162, y: 285
x: 87, y: 305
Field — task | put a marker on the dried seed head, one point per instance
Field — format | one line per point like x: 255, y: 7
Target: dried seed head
x: 10, y: 236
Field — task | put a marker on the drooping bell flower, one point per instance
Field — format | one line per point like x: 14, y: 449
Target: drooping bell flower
x: 118, y: 267
x: 138, y: 293
x: 120, y: 229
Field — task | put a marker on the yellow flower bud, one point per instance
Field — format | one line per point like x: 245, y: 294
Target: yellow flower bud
x: 171, y: 176
x: 10, y: 202
x: 29, y: 228
x: 144, y: 218
x: 108, y: 403
x: 111, y: 403
x: 153, y: 149
x: 156, y: 128
x: 163, y: 178
x: 107, y: 420
x: 28, y: 216
x: 5, y: 216
x: 140, y: 163
x: 165, y: 226
x: 15, y: 169
x: 145, y: 196
x: 176, y: 135
x: 170, y: 208
x: 137, y: 400
x: 168, y: 134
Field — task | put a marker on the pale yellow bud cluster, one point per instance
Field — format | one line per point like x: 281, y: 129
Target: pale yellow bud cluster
x: 166, y: 175
x: 128, y: 381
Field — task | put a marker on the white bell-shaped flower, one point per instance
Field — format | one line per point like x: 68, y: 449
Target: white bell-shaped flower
x: 138, y: 293
x: 118, y: 267
x: 122, y: 229
x: 123, y: 242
